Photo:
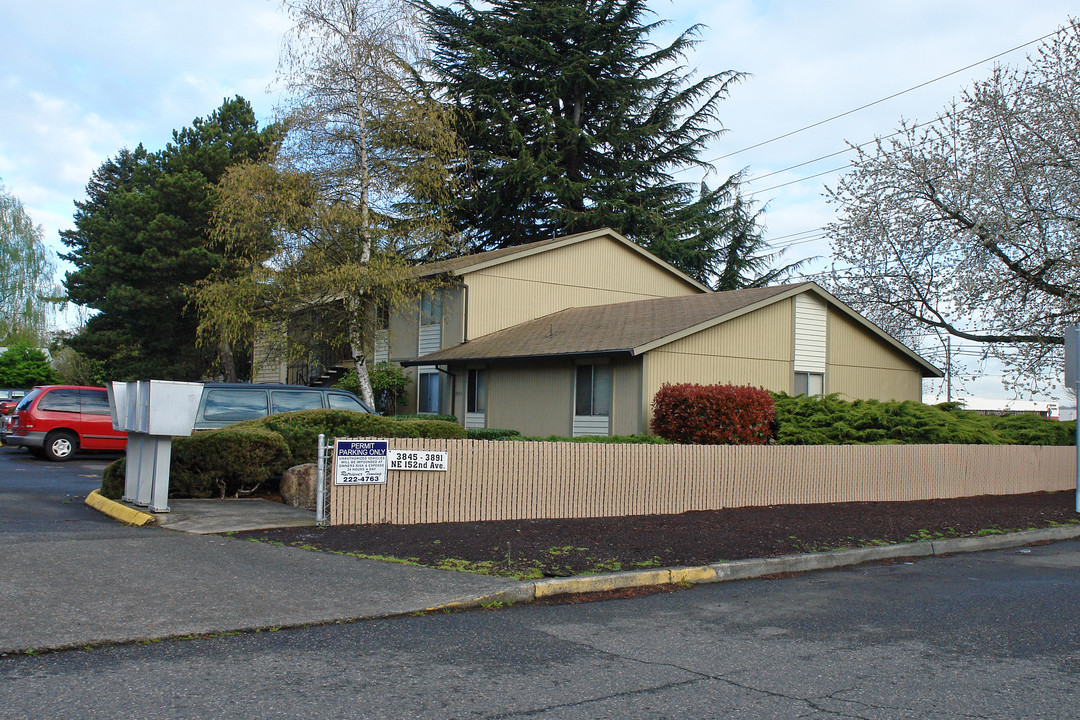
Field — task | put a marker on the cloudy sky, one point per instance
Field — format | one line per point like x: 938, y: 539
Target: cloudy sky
x: 81, y: 80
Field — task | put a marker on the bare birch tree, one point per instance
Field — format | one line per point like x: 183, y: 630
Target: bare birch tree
x: 968, y: 225
x: 328, y: 227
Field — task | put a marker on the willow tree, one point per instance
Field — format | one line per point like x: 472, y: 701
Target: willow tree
x: 27, y: 286
x: 329, y: 228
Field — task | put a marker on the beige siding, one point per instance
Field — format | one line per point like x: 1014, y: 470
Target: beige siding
x: 627, y: 399
x: 266, y: 367
x: 861, y: 365
x: 536, y: 399
x: 596, y: 272
x: 754, y: 349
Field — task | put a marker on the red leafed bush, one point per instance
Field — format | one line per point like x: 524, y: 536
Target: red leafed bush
x: 713, y: 414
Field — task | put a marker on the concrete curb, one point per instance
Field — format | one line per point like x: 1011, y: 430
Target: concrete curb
x: 755, y: 568
x: 117, y: 511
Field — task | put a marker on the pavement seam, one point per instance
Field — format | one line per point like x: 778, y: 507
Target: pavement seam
x: 117, y: 511
x: 760, y: 567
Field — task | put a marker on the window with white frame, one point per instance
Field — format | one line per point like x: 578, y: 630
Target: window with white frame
x: 809, y: 383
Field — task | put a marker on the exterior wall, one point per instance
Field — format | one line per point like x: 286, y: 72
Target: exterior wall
x: 754, y: 349
x: 811, y: 333
x: 626, y: 398
x: 525, y: 480
x: 866, y: 367
x: 267, y: 367
x: 536, y: 399
x: 595, y: 272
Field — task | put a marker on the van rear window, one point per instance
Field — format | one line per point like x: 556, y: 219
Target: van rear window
x: 234, y: 405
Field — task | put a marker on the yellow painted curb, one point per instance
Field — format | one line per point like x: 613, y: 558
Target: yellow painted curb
x: 117, y: 511
x: 601, y: 583
x: 693, y: 575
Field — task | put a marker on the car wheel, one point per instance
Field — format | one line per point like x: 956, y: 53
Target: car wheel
x: 60, y: 445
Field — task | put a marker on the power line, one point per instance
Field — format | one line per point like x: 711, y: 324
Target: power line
x: 884, y: 99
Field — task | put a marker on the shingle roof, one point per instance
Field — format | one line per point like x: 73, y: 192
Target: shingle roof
x: 632, y: 328
x: 615, y: 328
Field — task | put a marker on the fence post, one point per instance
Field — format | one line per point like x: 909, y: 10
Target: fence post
x: 320, y: 485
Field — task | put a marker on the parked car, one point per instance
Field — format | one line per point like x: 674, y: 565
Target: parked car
x: 56, y: 421
x: 9, y: 398
x: 225, y: 403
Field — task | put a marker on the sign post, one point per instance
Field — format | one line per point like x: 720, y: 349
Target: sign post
x: 1072, y: 380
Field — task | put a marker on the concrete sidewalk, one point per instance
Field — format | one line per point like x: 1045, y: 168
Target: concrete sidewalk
x: 158, y: 583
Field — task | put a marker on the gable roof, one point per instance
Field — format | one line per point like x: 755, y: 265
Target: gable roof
x: 634, y: 328
x: 479, y: 261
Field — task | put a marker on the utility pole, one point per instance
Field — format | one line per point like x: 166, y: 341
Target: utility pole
x: 948, y: 368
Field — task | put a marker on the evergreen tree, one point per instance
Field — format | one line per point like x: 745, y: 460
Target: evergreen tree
x: 574, y: 120
x: 141, y: 241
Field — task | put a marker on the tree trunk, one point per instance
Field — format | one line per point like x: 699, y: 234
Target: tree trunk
x: 359, y: 356
x: 228, y: 361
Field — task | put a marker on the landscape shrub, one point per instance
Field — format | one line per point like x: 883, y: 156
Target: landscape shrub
x: 425, y: 416
x: 712, y: 414
x: 112, y: 479
x: 388, y: 385
x: 238, y: 458
x: 599, y: 439
x: 829, y: 420
x: 301, y: 429
x: 492, y: 434
x: 227, y: 462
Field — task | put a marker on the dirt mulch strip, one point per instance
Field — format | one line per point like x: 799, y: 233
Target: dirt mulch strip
x: 558, y: 548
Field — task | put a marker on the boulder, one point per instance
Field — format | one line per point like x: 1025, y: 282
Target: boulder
x: 298, y: 486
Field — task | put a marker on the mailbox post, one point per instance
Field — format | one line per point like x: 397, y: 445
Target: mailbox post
x: 152, y: 412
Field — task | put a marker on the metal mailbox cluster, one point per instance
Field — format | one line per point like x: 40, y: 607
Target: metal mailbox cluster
x: 152, y: 412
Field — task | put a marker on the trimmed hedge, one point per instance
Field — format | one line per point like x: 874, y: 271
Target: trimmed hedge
x: 712, y: 414
x: 238, y: 458
x: 492, y: 434
x: 829, y: 420
x: 301, y: 429
x: 217, y: 463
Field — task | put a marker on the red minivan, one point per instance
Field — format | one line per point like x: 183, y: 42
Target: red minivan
x: 55, y: 421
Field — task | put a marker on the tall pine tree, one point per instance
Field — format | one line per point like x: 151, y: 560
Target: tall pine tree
x: 574, y: 120
x: 141, y: 241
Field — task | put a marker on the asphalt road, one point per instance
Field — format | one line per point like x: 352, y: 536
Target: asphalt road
x: 984, y: 635
x: 41, y: 498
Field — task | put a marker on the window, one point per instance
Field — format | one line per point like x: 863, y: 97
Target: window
x: 60, y: 401
x: 477, y: 401
x: 430, y: 309
x: 428, y: 392
x: 234, y: 405
x: 808, y: 383
x: 593, y: 390
x: 95, y: 402
x: 290, y: 400
x: 345, y: 402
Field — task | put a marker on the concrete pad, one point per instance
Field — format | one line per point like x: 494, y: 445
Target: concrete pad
x: 204, y: 517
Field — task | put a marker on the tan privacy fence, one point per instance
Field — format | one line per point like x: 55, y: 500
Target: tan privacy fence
x: 487, y: 480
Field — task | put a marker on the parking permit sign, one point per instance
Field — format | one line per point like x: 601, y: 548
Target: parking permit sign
x: 359, y: 462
